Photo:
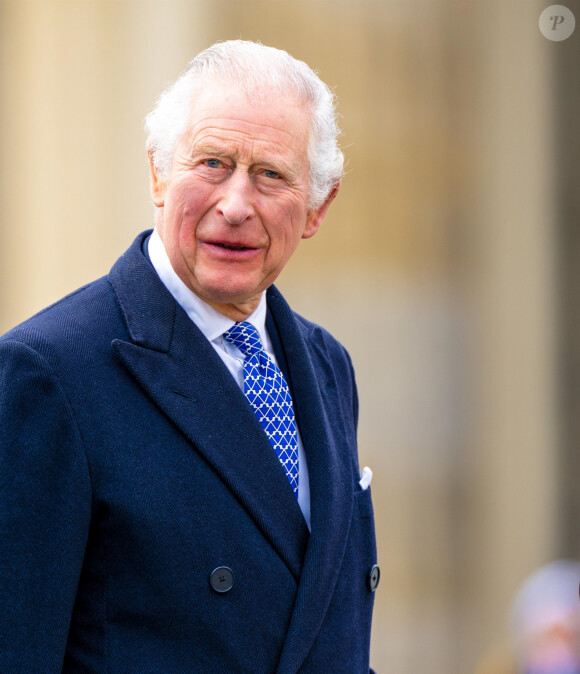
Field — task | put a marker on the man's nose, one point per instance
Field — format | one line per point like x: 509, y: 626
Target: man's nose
x: 236, y: 202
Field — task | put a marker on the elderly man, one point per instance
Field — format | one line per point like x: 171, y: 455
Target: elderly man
x: 179, y: 483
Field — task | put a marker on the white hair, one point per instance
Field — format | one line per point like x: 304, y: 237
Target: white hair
x: 254, y: 67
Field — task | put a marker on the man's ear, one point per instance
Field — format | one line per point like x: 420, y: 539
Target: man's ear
x: 157, y: 186
x: 315, y: 217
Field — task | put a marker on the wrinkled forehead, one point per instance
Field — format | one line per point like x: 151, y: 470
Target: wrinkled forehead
x: 261, y: 116
x: 219, y: 93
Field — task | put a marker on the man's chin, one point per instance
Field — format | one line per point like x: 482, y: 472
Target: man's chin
x: 234, y: 302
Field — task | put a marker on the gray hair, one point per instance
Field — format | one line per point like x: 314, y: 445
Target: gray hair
x: 253, y: 67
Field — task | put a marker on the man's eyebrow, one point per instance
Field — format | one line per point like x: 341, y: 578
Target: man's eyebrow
x: 209, y: 149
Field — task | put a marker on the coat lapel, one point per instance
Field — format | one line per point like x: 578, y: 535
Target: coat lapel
x: 180, y: 371
x: 329, y: 465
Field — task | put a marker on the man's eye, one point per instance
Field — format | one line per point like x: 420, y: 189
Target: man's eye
x: 213, y: 163
x: 271, y: 174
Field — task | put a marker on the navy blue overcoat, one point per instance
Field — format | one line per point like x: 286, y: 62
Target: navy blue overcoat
x: 131, y: 466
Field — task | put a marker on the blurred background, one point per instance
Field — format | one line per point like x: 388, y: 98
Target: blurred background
x: 449, y: 265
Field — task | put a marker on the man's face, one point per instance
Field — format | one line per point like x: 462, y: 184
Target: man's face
x: 234, y: 206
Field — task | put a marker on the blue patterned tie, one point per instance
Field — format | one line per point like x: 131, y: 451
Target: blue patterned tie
x: 268, y: 394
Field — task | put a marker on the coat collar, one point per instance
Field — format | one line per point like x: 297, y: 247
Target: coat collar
x: 179, y: 369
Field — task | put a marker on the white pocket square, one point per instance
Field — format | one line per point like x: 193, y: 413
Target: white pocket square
x: 365, y: 478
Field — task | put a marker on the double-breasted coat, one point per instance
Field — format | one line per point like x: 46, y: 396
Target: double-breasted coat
x: 132, y: 467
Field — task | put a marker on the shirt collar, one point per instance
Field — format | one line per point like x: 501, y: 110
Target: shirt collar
x: 210, y: 321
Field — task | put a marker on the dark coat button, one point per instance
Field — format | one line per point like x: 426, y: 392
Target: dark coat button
x: 221, y: 579
x: 374, y: 577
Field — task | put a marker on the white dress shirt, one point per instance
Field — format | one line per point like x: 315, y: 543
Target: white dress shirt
x: 213, y: 324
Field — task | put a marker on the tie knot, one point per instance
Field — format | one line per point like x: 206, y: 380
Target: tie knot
x: 245, y: 337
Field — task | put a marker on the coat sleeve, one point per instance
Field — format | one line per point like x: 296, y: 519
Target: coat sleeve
x: 45, y: 503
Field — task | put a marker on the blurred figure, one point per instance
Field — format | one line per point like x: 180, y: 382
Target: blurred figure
x: 545, y: 620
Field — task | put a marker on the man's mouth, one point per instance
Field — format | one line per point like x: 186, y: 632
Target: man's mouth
x: 229, y: 246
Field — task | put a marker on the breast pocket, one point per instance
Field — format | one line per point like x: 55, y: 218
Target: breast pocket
x: 364, y: 522
x: 364, y: 503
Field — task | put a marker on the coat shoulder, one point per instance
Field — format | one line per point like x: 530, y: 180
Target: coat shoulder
x: 91, y: 312
x: 326, y: 346
x: 86, y: 313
